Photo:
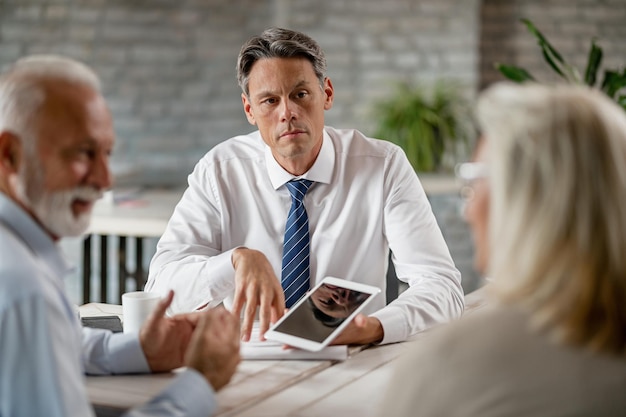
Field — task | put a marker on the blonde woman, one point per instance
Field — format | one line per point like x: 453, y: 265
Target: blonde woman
x: 548, y: 216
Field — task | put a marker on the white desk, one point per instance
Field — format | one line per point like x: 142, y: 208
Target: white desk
x: 275, y: 388
x: 142, y: 215
x: 439, y: 183
x: 147, y: 214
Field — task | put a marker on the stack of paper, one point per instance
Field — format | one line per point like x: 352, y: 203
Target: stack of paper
x: 257, y: 349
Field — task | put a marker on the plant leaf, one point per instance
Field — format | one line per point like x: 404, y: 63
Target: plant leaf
x: 424, y: 122
x: 621, y: 100
x: 514, y: 73
x: 551, y: 55
x: 593, y: 63
x: 613, y: 82
x: 543, y: 41
x: 550, y: 62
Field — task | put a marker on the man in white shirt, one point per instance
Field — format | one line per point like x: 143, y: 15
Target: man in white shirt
x: 56, y: 136
x: 226, y: 240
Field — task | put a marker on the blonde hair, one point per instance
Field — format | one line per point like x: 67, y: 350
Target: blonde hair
x: 557, y: 169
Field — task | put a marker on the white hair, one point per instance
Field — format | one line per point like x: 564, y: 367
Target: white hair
x: 22, y: 92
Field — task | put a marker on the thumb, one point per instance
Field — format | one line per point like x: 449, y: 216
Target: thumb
x: 360, y: 320
x: 161, y: 308
x: 197, y: 341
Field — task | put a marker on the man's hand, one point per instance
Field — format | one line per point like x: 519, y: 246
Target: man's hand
x: 214, y: 347
x: 363, y: 330
x: 256, y: 285
x: 164, y: 340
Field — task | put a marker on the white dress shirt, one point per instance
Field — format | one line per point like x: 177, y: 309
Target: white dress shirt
x: 366, y: 199
x: 44, y: 352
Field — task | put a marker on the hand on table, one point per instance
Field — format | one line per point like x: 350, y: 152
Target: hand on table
x: 363, y: 330
x: 256, y: 285
x: 214, y: 347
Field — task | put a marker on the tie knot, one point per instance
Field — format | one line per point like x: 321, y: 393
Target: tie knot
x: 298, y: 188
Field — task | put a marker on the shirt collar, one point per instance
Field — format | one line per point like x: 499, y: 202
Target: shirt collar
x: 321, y: 171
x: 33, y: 235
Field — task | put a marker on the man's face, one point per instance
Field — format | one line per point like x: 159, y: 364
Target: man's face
x: 287, y: 103
x: 337, y: 302
x: 69, y: 170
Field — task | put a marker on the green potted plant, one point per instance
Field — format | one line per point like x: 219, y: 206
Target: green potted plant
x: 427, y: 123
x: 612, y: 83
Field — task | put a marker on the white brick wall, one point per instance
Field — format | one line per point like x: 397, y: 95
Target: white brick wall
x: 169, y: 67
x: 568, y: 24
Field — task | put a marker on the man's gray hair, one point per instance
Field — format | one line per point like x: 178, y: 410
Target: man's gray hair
x: 279, y: 43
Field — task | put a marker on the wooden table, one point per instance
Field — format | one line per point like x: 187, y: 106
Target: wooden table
x: 276, y: 388
x: 269, y: 387
x: 254, y: 381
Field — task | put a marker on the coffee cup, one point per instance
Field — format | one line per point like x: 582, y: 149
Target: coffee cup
x: 136, y: 307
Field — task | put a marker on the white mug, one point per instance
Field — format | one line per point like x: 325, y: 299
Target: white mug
x: 136, y: 307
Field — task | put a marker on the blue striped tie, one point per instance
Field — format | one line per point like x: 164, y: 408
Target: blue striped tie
x: 295, y: 272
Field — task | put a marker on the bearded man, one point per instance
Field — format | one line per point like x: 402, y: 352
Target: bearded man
x: 56, y: 137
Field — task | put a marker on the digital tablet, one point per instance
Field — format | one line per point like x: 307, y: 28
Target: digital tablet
x: 314, y: 321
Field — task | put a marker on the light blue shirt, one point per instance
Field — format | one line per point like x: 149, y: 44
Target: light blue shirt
x: 44, y: 351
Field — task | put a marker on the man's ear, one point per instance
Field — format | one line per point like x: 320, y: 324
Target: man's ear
x: 10, y: 153
x: 329, y: 91
x: 247, y: 109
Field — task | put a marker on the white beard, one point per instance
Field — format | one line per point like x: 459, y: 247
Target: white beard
x: 53, y: 209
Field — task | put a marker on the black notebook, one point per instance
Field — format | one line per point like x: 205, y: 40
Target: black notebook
x: 112, y: 323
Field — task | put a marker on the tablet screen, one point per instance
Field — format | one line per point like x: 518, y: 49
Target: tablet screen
x: 323, y: 310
